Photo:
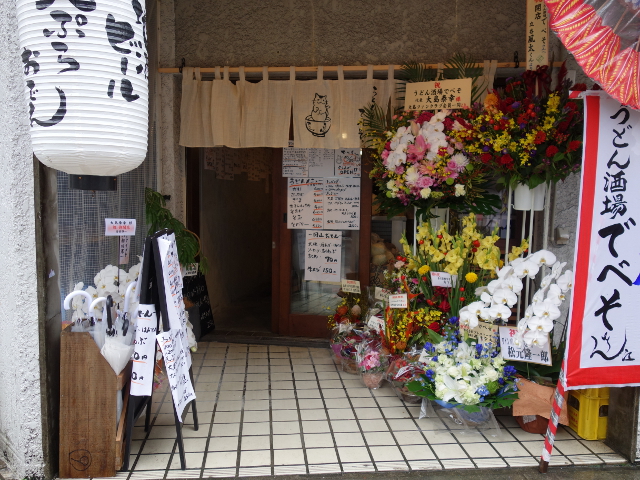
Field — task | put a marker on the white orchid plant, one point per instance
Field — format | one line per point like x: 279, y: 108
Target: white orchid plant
x: 497, y: 298
x: 112, y: 281
x: 467, y: 376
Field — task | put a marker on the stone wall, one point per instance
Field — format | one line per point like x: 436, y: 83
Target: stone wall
x: 20, y: 395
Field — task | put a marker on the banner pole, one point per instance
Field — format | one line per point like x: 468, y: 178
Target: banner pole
x: 556, y: 408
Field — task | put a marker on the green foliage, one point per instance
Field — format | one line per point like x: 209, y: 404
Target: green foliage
x: 460, y: 66
x: 425, y: 388
x: 159, y: 217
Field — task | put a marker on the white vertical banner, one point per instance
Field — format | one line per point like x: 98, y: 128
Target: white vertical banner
x: 603, y: 346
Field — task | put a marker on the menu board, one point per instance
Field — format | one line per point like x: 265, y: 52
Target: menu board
x: 323, y: 255
x: 321, y: 162
x: 342, y: 203
x: 305, y: 203
x: 317, y: 203
x: 295, y: 162
x: 177, y: 361
x: 144, y: 351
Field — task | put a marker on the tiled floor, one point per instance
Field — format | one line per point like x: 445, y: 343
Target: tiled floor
x: 277, y: 410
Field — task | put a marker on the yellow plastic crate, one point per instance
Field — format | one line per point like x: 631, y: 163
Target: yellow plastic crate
x: 588, y: 410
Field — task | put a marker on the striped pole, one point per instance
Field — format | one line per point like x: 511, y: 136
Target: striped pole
x: 558, y: 402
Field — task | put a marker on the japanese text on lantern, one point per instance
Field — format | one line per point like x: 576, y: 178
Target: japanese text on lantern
x: 617, y: 267
x: 121, y: 38
x: 537, y: 34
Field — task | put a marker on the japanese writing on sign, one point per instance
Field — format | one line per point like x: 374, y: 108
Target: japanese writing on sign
x: 144, y: 351
x: 123, y: 252
x: 484, y: 333
x: 323, y: 256
x: 537, y: 34
x: 177, y: 363
x: 609, y: 328
x: 438, y: 95
x: 522, y: 353
x: 114, y: 227
x: 321, y: 162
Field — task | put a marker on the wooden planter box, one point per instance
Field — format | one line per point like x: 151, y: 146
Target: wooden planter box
x: 91, y: 438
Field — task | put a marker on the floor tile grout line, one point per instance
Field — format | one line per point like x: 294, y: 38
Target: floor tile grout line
x: 516, y: 439
x: 146, y: 436
x: 326, y: 411
x: 213, y: 414
x: 271, y: 413
x: 415, y: 422
x: 244, y: 392
x: 175, y: 443
x: 366, y: 443
x: 384, y: 417
x: 295, y: 394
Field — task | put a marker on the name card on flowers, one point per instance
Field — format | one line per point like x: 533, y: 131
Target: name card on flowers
x: 441, y: 279
x: 350, y: 286
x: 114, y: 227
x: 537, y: 34
x: 323, y: 256
x: 484, y: 333
x: 522, y: 353
x: 438, y: 95
x: 398, y: 301
x: 376, y: 323
x: 381, y: 293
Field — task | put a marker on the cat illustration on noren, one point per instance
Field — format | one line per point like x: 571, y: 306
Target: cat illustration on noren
x: 319, y: 122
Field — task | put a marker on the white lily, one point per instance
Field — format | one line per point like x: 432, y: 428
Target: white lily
x: 546, y: 281
x: 536, y: 338
x: 513, y: 283
x: 555, y: 295
x: 556, y: 270
x: 518, y: 338
x: 468, y: 317
x: 494, y: 285
x: 565, y: 281
x: 546, y: 310
x: 504, y: 296
x: 499, y: 312
x: 543, y: 257
x: 526, y: 269
x: 540, y: 323
x: 505, y: 271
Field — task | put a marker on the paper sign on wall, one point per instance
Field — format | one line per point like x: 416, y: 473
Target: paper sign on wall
x: 350, y: 286
x: 305, y: 203
x: 449, y: 94
x: 323, y: 256
x: 441, y: 279
x: 123, y: 255
x: 295, y: 162
x: 114, y: 227
x: 177, y: 363
x: 144, y: 351
x: 398, y: 301
x: 533, y: 354
x: 191, y: 269
x: 347, y: 162
x: 484, y: 333
x: 209, y: 159
x: 172, y: 282
x: 342, y: 203
x: 321, y: 162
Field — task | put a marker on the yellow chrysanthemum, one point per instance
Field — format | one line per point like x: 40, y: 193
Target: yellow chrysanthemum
x: 471, y: 277
x: 423, y: 269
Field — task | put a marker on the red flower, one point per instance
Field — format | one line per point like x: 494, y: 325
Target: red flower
x: 435, y: 326
x: 551, y: 151
x: 574, y: 145
x: 448, y: 123
x: 571, y: 105
x: 540, y: 137
x: 506, y: 160
x: 444, y: 306
x: 562, y: 126
x: 424, y: 117
x: 486, y: 157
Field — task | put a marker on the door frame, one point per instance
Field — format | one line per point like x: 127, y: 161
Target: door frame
x: 283, y: 321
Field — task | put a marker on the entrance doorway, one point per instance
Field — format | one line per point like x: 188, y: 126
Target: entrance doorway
x: 256, y: 279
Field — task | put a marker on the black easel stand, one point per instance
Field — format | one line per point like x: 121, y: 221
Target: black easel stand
x: 152, y: 292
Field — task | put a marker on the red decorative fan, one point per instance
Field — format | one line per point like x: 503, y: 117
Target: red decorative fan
x: 604, y: 37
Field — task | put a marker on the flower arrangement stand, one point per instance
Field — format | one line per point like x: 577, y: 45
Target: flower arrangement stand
x: 91, y: 437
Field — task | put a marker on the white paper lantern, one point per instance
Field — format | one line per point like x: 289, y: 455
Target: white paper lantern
x: 85, y: 70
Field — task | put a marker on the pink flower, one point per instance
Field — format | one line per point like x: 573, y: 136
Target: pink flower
x: 399, y: 169
x: 418, y: 148
x: 452, y: 165
x: 450, y: 150
x: 384, y: 154
x: 424, y: 182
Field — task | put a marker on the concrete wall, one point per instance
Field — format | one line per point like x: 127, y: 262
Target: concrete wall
x: 20, y: 383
